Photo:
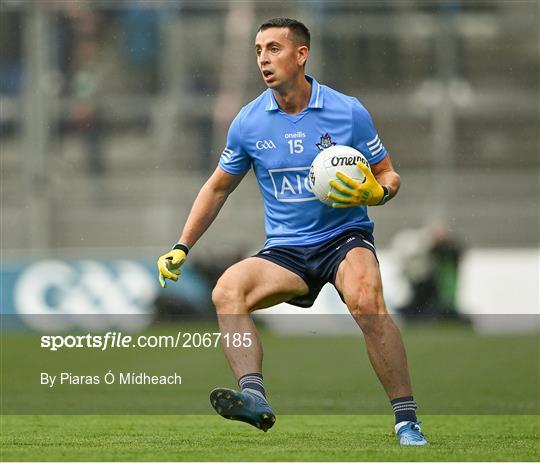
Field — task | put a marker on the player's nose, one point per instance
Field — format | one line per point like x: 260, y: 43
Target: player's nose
x: 264, y: 58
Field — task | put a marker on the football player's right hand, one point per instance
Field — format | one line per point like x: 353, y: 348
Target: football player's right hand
x: 169, y: 266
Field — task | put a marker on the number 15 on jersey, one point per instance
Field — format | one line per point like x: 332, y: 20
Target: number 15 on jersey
x: 295, y: 146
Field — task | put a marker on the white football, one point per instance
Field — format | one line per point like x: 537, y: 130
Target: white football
x: 328, y: 162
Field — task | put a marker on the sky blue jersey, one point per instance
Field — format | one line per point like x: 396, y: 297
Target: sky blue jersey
x: 281, y: 147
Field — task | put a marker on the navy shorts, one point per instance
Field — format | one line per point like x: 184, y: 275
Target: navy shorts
x: 317, y: 264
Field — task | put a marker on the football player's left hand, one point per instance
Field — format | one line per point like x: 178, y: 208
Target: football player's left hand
x: 354, y: 193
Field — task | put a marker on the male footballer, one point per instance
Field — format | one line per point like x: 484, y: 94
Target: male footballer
x: 308, y: 243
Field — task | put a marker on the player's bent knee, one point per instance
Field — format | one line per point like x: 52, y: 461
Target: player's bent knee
x: 227, y: 298
x: 368, y: 309
x: 366, y: 300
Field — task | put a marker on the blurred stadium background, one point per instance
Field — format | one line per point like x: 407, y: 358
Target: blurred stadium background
x: 113, y: 113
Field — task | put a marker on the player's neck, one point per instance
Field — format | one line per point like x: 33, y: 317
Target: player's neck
x: 295, y: 98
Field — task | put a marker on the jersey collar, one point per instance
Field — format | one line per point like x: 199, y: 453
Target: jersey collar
x: 315, y: 101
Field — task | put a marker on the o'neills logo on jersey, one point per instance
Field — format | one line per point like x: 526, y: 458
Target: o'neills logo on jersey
x: 346, y: 160
x: 295, y: 135
x: 291, y: 184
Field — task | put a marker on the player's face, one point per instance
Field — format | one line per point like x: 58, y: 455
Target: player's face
x: 279, y: 58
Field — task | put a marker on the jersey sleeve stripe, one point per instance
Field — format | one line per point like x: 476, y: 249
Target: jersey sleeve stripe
x: 378, y: 150
x: 373, y: 140
x: 227, y: 154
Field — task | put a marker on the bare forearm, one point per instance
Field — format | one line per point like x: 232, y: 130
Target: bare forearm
x: 203, y: 212
x: 390, y: 180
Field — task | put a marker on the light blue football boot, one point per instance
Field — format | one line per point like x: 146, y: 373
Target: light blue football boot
x: 243, y: 406
x: 410, y: 434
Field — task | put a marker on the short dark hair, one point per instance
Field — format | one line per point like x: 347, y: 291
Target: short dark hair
x: 299, y: 30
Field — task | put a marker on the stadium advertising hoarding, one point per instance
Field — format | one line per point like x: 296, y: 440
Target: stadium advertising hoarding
x: 91, y: 286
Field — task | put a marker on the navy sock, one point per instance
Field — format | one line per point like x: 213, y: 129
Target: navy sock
x: 253, y: 383
x: 404, y: 409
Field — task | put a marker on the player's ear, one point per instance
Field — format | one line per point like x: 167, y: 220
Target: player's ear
x: 302, y: 54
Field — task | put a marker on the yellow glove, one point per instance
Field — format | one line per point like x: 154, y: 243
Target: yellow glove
x: 354, y: 193
x: 169, y: 264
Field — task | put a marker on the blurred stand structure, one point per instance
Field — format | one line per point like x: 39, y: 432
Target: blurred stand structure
x: 113, y: 113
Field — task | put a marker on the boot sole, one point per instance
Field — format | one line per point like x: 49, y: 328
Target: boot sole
x: 230, y: 405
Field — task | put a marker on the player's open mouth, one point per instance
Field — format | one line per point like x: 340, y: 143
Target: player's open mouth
x: 267, y: 74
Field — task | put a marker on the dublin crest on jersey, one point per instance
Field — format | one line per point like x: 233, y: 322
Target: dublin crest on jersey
x: 326, y: 142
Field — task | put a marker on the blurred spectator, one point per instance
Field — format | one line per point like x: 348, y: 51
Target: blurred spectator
x: 11, y: 69
x: 79, y: 46
x: 140, y: 25
x: 429, y: 259
x: 10, y: 53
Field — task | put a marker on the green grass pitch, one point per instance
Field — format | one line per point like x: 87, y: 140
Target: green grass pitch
x: 294, y: 438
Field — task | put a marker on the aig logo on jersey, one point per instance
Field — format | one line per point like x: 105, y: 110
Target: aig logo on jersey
x: 291, y: 184
x: 265, y: 145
